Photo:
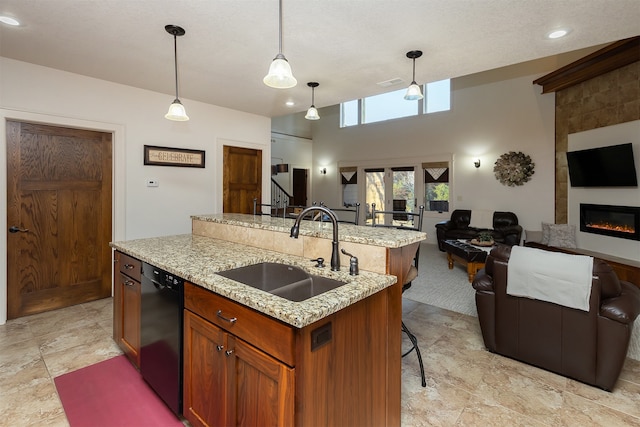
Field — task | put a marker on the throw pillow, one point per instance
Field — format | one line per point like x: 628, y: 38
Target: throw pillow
x: 545, y: 233
x: 562, y: 235
x: 533, y: 236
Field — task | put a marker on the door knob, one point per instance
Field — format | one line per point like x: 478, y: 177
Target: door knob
x: 14, y: 229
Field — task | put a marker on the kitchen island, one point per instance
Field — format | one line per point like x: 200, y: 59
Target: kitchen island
x: 333, y: 359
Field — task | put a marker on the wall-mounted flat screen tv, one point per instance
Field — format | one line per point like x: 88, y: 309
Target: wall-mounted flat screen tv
x: 611, y: 166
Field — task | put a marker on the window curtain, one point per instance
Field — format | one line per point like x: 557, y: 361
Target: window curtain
x: 436, y: 172
x: 349, y: 175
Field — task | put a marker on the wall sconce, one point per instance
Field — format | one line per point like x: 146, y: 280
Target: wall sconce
x: 476, y: 163
x: 323, y: 171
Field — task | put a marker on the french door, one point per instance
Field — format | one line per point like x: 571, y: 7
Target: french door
x: 390, y: 189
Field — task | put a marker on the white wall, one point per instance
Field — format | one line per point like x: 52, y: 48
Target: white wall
x: 610, y: 135
x: 488, y: 118
x: 135, y: 117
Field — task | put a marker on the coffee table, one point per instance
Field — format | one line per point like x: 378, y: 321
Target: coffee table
x: 472, y: 257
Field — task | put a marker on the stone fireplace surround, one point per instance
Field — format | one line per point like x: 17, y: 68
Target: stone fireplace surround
x: 597, y: 102
x: 626, y: 249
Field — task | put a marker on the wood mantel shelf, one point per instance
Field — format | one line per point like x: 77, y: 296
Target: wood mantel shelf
x: 609, y: 58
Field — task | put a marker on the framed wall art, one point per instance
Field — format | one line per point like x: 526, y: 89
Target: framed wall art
x: 167, y: 156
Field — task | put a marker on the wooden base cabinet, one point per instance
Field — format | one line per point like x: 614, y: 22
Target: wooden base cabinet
x: 228, y: 382
x: 126, y: 305
x: 244, y: 368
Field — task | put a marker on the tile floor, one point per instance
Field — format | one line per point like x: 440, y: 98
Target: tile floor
x: 466, y: 385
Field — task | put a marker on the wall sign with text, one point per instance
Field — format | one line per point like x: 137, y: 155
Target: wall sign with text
x: 166, y: 156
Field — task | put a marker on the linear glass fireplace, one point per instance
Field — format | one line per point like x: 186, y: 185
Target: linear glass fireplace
x: 614, y: 221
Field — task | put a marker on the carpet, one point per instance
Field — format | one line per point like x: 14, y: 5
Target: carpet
x: 438, y: 286
x: 111, y: 393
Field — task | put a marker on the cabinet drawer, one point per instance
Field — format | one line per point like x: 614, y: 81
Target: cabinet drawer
x: 129, y: 266
x: 270, y: 335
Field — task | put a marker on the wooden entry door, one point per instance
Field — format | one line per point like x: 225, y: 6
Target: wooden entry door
x: 242, y: 179
x: 59, y: 217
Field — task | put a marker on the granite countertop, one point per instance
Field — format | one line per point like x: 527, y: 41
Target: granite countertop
x: 197, y: 259
x: 374, y: 236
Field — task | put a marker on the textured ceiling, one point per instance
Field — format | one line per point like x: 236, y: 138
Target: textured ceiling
x: 348, y: 46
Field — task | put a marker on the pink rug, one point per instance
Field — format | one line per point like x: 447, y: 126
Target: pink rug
x: 112, y: 394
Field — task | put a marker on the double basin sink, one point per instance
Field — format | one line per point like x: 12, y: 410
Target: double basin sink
x: 286, y: 281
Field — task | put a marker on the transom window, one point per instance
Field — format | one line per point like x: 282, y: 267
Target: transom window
x: 392, y: 105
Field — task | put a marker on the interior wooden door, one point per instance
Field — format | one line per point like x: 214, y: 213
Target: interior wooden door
x: 300, y: 187
x: 59, y: 217
x: 242, y: 179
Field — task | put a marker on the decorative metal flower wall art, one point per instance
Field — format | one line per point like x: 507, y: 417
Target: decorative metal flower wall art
x: 514, y: 168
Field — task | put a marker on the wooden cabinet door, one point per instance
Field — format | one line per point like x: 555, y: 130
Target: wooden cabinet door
x: 205, y: 372
x: 126, y: 305
x: 263, y: 388
x: 228, y: 382
x: 130, y: 339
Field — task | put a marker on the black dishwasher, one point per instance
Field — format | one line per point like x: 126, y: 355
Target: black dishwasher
x: 161, y: 308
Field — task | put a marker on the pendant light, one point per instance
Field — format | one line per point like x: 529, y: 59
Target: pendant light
x: 312, y: 112
x: 414, y: 92
x: 280, y: 75
x: 176, y: 109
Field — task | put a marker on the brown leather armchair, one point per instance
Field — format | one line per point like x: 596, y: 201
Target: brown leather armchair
x: 587, y: 346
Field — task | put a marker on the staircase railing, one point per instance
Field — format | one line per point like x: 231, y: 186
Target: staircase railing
x: 279, y: 196
x: 279, y: 202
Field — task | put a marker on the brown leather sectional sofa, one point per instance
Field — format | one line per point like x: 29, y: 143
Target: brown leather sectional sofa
x: 587, y: 346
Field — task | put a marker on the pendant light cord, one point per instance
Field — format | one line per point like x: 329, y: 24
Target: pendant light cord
x: 175, y: 61
x: 414, y: 70
x: 280, y: 26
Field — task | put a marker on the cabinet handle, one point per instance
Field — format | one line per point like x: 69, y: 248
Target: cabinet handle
x: 228, y: 352
x: 129, y: 283
x: 219, y: 347
x: 128, y: 266
x: 226, y: 319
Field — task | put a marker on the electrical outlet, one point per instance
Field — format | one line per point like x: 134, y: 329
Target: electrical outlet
x: 152, y: 183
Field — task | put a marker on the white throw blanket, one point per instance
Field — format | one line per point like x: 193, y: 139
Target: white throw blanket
x: 481, y: 219
x: 555, y: 277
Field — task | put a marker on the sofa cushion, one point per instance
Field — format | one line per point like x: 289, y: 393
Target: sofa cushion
x: 504, y: 220
x: 533, y: 236
x: 460, y: 218
x: 609, y: 282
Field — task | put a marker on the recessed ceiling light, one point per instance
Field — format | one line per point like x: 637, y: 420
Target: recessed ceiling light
x: 556, y: 34
x: 9, y: 20
x: 289, y: 103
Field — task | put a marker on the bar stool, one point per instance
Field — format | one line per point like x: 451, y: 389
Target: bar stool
x: 411, y: 275
x: 409, y: 221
